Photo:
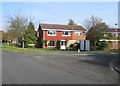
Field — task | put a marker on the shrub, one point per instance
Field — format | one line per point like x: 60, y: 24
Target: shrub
x: 102, y: 45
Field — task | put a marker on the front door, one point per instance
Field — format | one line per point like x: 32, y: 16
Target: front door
x: 63, y: 45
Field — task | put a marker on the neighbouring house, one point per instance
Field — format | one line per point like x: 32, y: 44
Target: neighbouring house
x: 115, y: 41
x: 8, y: 38
x: 1, y: 32
x: 60, y: 36
x: 115, y: 31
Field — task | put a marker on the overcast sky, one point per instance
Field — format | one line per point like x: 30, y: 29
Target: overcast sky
x: 61, y: 12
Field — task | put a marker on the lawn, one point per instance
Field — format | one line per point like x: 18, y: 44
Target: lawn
x: 6, y: 47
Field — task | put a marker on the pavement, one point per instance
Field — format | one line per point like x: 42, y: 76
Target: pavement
x: 115, y: 65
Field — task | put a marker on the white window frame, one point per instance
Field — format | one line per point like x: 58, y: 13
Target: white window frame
x: 115, y: 34
x: 49, y: 42
x: 78, y: 33
x: 52, y: 32
x: 64, y: 34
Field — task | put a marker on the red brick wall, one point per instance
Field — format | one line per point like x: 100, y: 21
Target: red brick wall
x: 60, y: 37
x: 118, y: 34
x: 115, y: 45
x: 80, y: 37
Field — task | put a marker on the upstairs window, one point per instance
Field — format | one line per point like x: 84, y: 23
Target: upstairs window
x: 65, y: 33
x: 115, y: 34
x: 51, y: 33
x: 77, y: 33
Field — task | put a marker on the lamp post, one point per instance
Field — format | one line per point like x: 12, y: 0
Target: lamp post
x: 115, y: 35
x: 116, y: 25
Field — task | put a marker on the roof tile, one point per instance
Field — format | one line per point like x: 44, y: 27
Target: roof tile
x: 62, y: 27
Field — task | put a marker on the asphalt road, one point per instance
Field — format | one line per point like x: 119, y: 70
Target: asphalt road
x: 57, y: 69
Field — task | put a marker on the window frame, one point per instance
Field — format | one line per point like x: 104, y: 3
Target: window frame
x: 52, y: 32
x: 78, y: 32
x: 64, y: 33
x: 49, y: 43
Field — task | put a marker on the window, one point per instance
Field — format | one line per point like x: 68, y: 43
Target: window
x: 114, y: 34
x: 63, y: 43
x: 51, y: 33
x: 65, y: 33
x: 78, y: 33
x: 50, y: 43
x: 105, y: 35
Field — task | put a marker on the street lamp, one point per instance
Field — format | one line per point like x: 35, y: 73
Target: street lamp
x: 115, y: 28
x: 116, y: 25
x: 115, y: 35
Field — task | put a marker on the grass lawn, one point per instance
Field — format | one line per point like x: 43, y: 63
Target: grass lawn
x: 6, y: 47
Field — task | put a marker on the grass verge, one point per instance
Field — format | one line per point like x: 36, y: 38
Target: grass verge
x: 11, y: 48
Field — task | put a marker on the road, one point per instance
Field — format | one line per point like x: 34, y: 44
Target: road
x: 57, y: 69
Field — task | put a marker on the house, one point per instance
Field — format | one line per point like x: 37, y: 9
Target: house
x: 8, y: 38
x: 114, y: 31
x: 1, y: 32
x: 115, y: 42
x: 62, y: 36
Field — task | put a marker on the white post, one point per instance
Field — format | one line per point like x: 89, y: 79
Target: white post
x: 78, y: 46
x: 78, y: 50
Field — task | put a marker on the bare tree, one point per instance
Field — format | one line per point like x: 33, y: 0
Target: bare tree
x: 16, y: 25
x: 92, y: 21
x: 96, y: 28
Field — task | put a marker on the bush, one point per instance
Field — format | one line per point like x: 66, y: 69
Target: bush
x: 102, y: 45
x: 73, y: 47
x: 26, y: 45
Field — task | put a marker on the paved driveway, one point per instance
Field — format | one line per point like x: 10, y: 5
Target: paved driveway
x: 57, y: 69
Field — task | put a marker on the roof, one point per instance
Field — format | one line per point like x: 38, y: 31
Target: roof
x: 1, y: 31
x: 114, y: 29
x: 62, y: 27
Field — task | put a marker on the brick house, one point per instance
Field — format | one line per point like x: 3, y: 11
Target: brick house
x: 115, y: 31
x: 55, y: 35
x: 1, y: 32
x: 114, y: 43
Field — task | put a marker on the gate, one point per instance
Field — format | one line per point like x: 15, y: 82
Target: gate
x: 85, y: 45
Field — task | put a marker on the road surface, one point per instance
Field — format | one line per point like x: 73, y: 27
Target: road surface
x: 57, y: 69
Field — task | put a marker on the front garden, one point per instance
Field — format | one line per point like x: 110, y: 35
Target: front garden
x: 30, y: 50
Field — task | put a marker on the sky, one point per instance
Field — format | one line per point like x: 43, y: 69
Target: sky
x: 61, y: 12
x: 119, y: 14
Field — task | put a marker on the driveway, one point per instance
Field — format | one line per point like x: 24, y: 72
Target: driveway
x: 57, y: 69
